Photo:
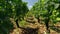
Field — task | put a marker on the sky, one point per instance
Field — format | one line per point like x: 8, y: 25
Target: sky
x: 30, y: 3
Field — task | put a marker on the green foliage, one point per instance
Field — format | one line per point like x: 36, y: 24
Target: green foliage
x: 47, y: 8
x: 6, y: 26
x: 23, y: 23
x: 11, y: 9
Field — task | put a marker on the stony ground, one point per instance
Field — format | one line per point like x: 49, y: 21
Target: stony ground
x: 35, y: 28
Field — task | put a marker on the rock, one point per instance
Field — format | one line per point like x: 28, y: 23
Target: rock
x: 53, y: 32
x: 16, y: 31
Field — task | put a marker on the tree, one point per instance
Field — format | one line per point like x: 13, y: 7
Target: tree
x: 49, y: 9
x: 11, y: 9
